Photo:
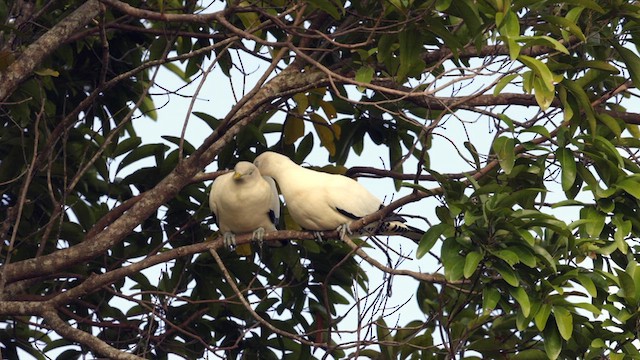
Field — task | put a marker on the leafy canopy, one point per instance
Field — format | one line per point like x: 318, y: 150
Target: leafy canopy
x: 531, y: 250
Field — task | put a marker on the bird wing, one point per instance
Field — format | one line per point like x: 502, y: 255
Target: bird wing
x: 349, y: 197
x: 274, y: 210
x: 213, y: 203
x: 353, y: 201
x: 321, y: 201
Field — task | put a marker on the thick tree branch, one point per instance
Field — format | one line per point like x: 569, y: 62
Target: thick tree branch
x: 24, y: 66
x: 290, y: 81
x: 95, y: 282
x: 84, y: 338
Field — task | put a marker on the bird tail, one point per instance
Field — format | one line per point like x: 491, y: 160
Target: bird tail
x: 390, y: 227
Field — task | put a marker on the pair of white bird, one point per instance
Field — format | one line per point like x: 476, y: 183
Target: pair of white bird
x: 246, y: 200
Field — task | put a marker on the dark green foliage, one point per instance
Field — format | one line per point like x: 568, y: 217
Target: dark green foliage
x: 530, y: 103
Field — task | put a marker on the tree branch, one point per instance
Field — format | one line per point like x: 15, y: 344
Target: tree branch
x: 248, y: 307
x: 98, y: 346
x: 253, y: 105
x: 24, y: 66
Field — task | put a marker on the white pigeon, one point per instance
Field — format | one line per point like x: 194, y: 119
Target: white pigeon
x: 244, y: 201
x: 320, y: 201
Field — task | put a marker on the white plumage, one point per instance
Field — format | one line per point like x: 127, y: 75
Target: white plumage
x: 244, y: 201
x: 320, y: 201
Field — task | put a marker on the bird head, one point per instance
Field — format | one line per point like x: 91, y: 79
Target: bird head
x: 244, y: 168
x: 271, y: 164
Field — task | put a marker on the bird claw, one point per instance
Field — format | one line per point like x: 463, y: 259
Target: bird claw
x: 343, y: 230
x: 229, y: 240
x: 258, y: 235
x: 318, y: 236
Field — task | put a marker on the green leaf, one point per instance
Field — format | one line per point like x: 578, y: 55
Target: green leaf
x: 126, y: 145
x: 508, y: 275
x: 504, y: 147
x: 328, y: 109
x: 142, y: 152
x: 250, y: 20
x: 471, y: 263
x: 508, y: 256
x: 631, y: 60
x: 335, y: 9
x: 610, y: 122
x: 552, y: 342
x: 542, y: 316
x: 179, y: 72
x: 504, y: 81
x: 623, y: 228
x: 188, y: 148
x: 507, y: 120
x: 595, y: 221
x: 588, y: 284
x: 609, y: 150
x: 474, y: 153
x: 384, y: 336
x: 525, y: 256
x: 631, y: 186
x: 568, y: 164
x: 544, y: 96
x: 583, y: 102
x: 148, y: 108
x: 598, y: 65
x: 85, y: 215
x: 416, y: 187
x: 589, y: 4
x: 522, y: 298
x: 429, y: 239
x: 540, y: 69
x: 302, y: 102
x: 627, y: 285
x: 468, y: 10
x: 490, y: 298
x: 616, y: 356
x: 596, y: 311
x: 364, y: 75
x: 544, y: 41
x: 544, y: 254
x: 47, y: 72
x: 566, y: 24
x: 530, y: 354
x: 538, y: 129
x: 410, y: 47
x: 508, y: 23
x: 452, y: 261
x: 567, y: 105
x: 327, y: 132
x: 564, y: 320
x: 633, y: 269
x: 211, y: 121
x: 526, y: 236
x: 395, y: 157
x: 293, y: 129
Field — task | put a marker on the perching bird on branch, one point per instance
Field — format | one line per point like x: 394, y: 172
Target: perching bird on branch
x: 244, y: 201
x: 320, y: 201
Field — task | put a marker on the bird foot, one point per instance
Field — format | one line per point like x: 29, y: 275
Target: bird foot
x: 229, y: 240
x: 318, y: 236
x: 258, y: 235
x: 343, y: 230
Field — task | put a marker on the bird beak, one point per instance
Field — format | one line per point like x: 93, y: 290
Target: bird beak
x: 237, y: 175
